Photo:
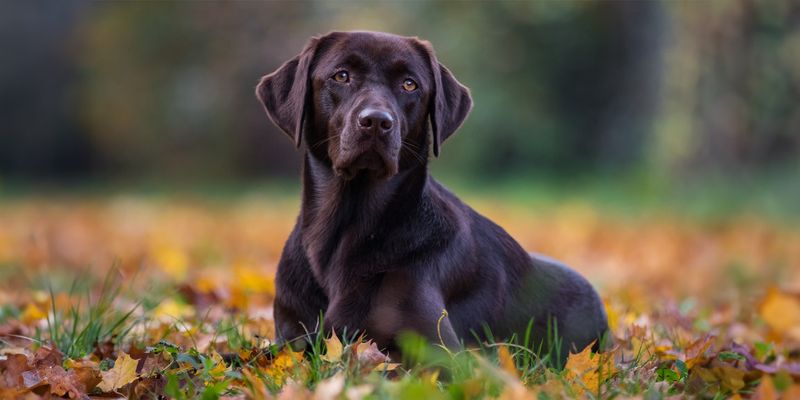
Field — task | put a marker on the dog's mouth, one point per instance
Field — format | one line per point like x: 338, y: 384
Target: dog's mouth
x: 372, y: 163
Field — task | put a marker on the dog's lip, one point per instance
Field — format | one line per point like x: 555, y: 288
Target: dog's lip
x: 376, y: 163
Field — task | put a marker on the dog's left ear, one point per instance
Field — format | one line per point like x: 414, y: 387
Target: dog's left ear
x: 450, y: 103
x: 285, y: 93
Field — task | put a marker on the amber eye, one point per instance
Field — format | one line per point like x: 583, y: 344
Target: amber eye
x: 409, y: 85
x: 342, y: 76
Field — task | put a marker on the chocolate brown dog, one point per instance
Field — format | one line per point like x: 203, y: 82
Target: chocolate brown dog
x: 379, y: 245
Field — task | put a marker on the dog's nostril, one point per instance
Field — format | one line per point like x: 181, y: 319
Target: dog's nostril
x: 370, y: 117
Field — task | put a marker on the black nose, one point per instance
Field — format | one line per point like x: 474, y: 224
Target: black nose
x: 378, y: 121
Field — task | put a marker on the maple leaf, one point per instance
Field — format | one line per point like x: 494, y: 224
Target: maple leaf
x: 333, y: 349
x: 123, y: 373
x: 284, y: 363
x: 587, y: 371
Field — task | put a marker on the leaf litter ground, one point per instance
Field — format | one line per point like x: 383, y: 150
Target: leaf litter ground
x: 142, y: 298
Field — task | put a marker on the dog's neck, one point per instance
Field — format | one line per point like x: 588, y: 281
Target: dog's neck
x: 336, y: 211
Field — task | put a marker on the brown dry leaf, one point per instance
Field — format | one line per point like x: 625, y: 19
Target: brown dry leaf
x: 87, y: 371
x: 766, y: 390
x: 695, y: 353
x: 793, y: 392
x: 12, y: 368
x: 781, y: 312
x: 61, y: 382
x: 369, y: 356
x: 123, y: 373
x: 333, y: 348
x: 730, y: 378
x: 587, y: 371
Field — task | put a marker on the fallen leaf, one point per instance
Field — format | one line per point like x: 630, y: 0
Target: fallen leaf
x: 369, y: 356
x: 358, y: 392
x: 766, y: 390
x: 123, y: 373
x: 32, y: 314
x: 286, y: 362
x: 333, y: 348
x: 61, y: 382
x: 219, y: 365
x: 588, y: 371
x: 169, y: 310
x: 507, y: 361
x: 330, y: 388
x: 12, y: 368
x: 87, y: 372
x: 781, y: 312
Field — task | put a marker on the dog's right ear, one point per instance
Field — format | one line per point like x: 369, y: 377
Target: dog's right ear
x: 286, y: 93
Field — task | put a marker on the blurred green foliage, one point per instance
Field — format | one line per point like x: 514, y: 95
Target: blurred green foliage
x: 662, y: 90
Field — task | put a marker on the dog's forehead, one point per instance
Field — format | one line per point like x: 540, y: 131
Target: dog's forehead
x: 381, y: 50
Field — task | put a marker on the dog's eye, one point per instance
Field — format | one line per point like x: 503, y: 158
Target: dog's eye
x: 341, y: 76
x: 409, y: 85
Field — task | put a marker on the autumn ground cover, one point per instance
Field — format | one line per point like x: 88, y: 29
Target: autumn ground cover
x: 147, y: 297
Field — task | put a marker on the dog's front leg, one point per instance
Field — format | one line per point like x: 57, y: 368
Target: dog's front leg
x: 346, y: 313
x: 407, y: 305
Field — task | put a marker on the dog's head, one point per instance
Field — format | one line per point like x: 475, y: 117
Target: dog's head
x: 363, y: 101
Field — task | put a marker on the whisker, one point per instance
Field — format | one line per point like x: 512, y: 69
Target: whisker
x: 410, y: 147
x: 326, y: 140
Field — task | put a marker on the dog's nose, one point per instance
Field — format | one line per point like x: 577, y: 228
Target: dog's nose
x: 378, y: 121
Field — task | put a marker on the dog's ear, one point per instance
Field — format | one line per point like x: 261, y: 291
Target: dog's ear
x: 286, y: 92
x: 450, y: 103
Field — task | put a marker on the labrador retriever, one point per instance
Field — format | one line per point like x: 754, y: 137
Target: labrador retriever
x: 380, y: 246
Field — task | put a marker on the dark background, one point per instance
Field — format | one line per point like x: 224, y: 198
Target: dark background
x: 666, y: 92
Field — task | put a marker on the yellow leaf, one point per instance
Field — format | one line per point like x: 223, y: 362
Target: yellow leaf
x: 333, y: 348
x: 219, y: 365
x: 253, y: 280
x: 387, y: 366
x: 171, y: 260
x: 507, y: 361
x: 286, y: 362
x: 781, y: 312
x: 431, y: 376
x: 588, y: 371
x: 170, y: 309
x: 31, y: 314
x: 123, y: 373
x: 612, y: 315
